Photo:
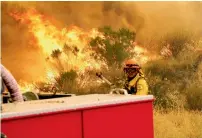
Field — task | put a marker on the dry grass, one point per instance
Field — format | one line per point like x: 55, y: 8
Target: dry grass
x: 178, y: 124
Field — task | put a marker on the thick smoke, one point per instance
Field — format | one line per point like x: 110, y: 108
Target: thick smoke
x: 148, y: 19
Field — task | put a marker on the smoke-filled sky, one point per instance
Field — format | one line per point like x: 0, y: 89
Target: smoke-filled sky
x: 148, y: 19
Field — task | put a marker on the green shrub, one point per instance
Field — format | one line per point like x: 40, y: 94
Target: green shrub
x: 114, y: 47
x: 67, y: 81
x: 194, y: 98
x: 168, y: 79
x: 163, y: 93
x: 177, y: 40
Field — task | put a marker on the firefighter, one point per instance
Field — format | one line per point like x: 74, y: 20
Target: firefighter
x: 135, y: 83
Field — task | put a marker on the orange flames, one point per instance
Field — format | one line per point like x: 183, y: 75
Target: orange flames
x: 70, y: 45
x: 50, y: 38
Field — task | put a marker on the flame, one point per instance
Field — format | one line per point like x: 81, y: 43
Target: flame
x: 25, y: 87
x: 50, y: 38
x: 67, y: 47
x: 51, y: 75
x: 142, y: 55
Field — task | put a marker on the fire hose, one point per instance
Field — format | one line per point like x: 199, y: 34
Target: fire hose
x: 113, y: 87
